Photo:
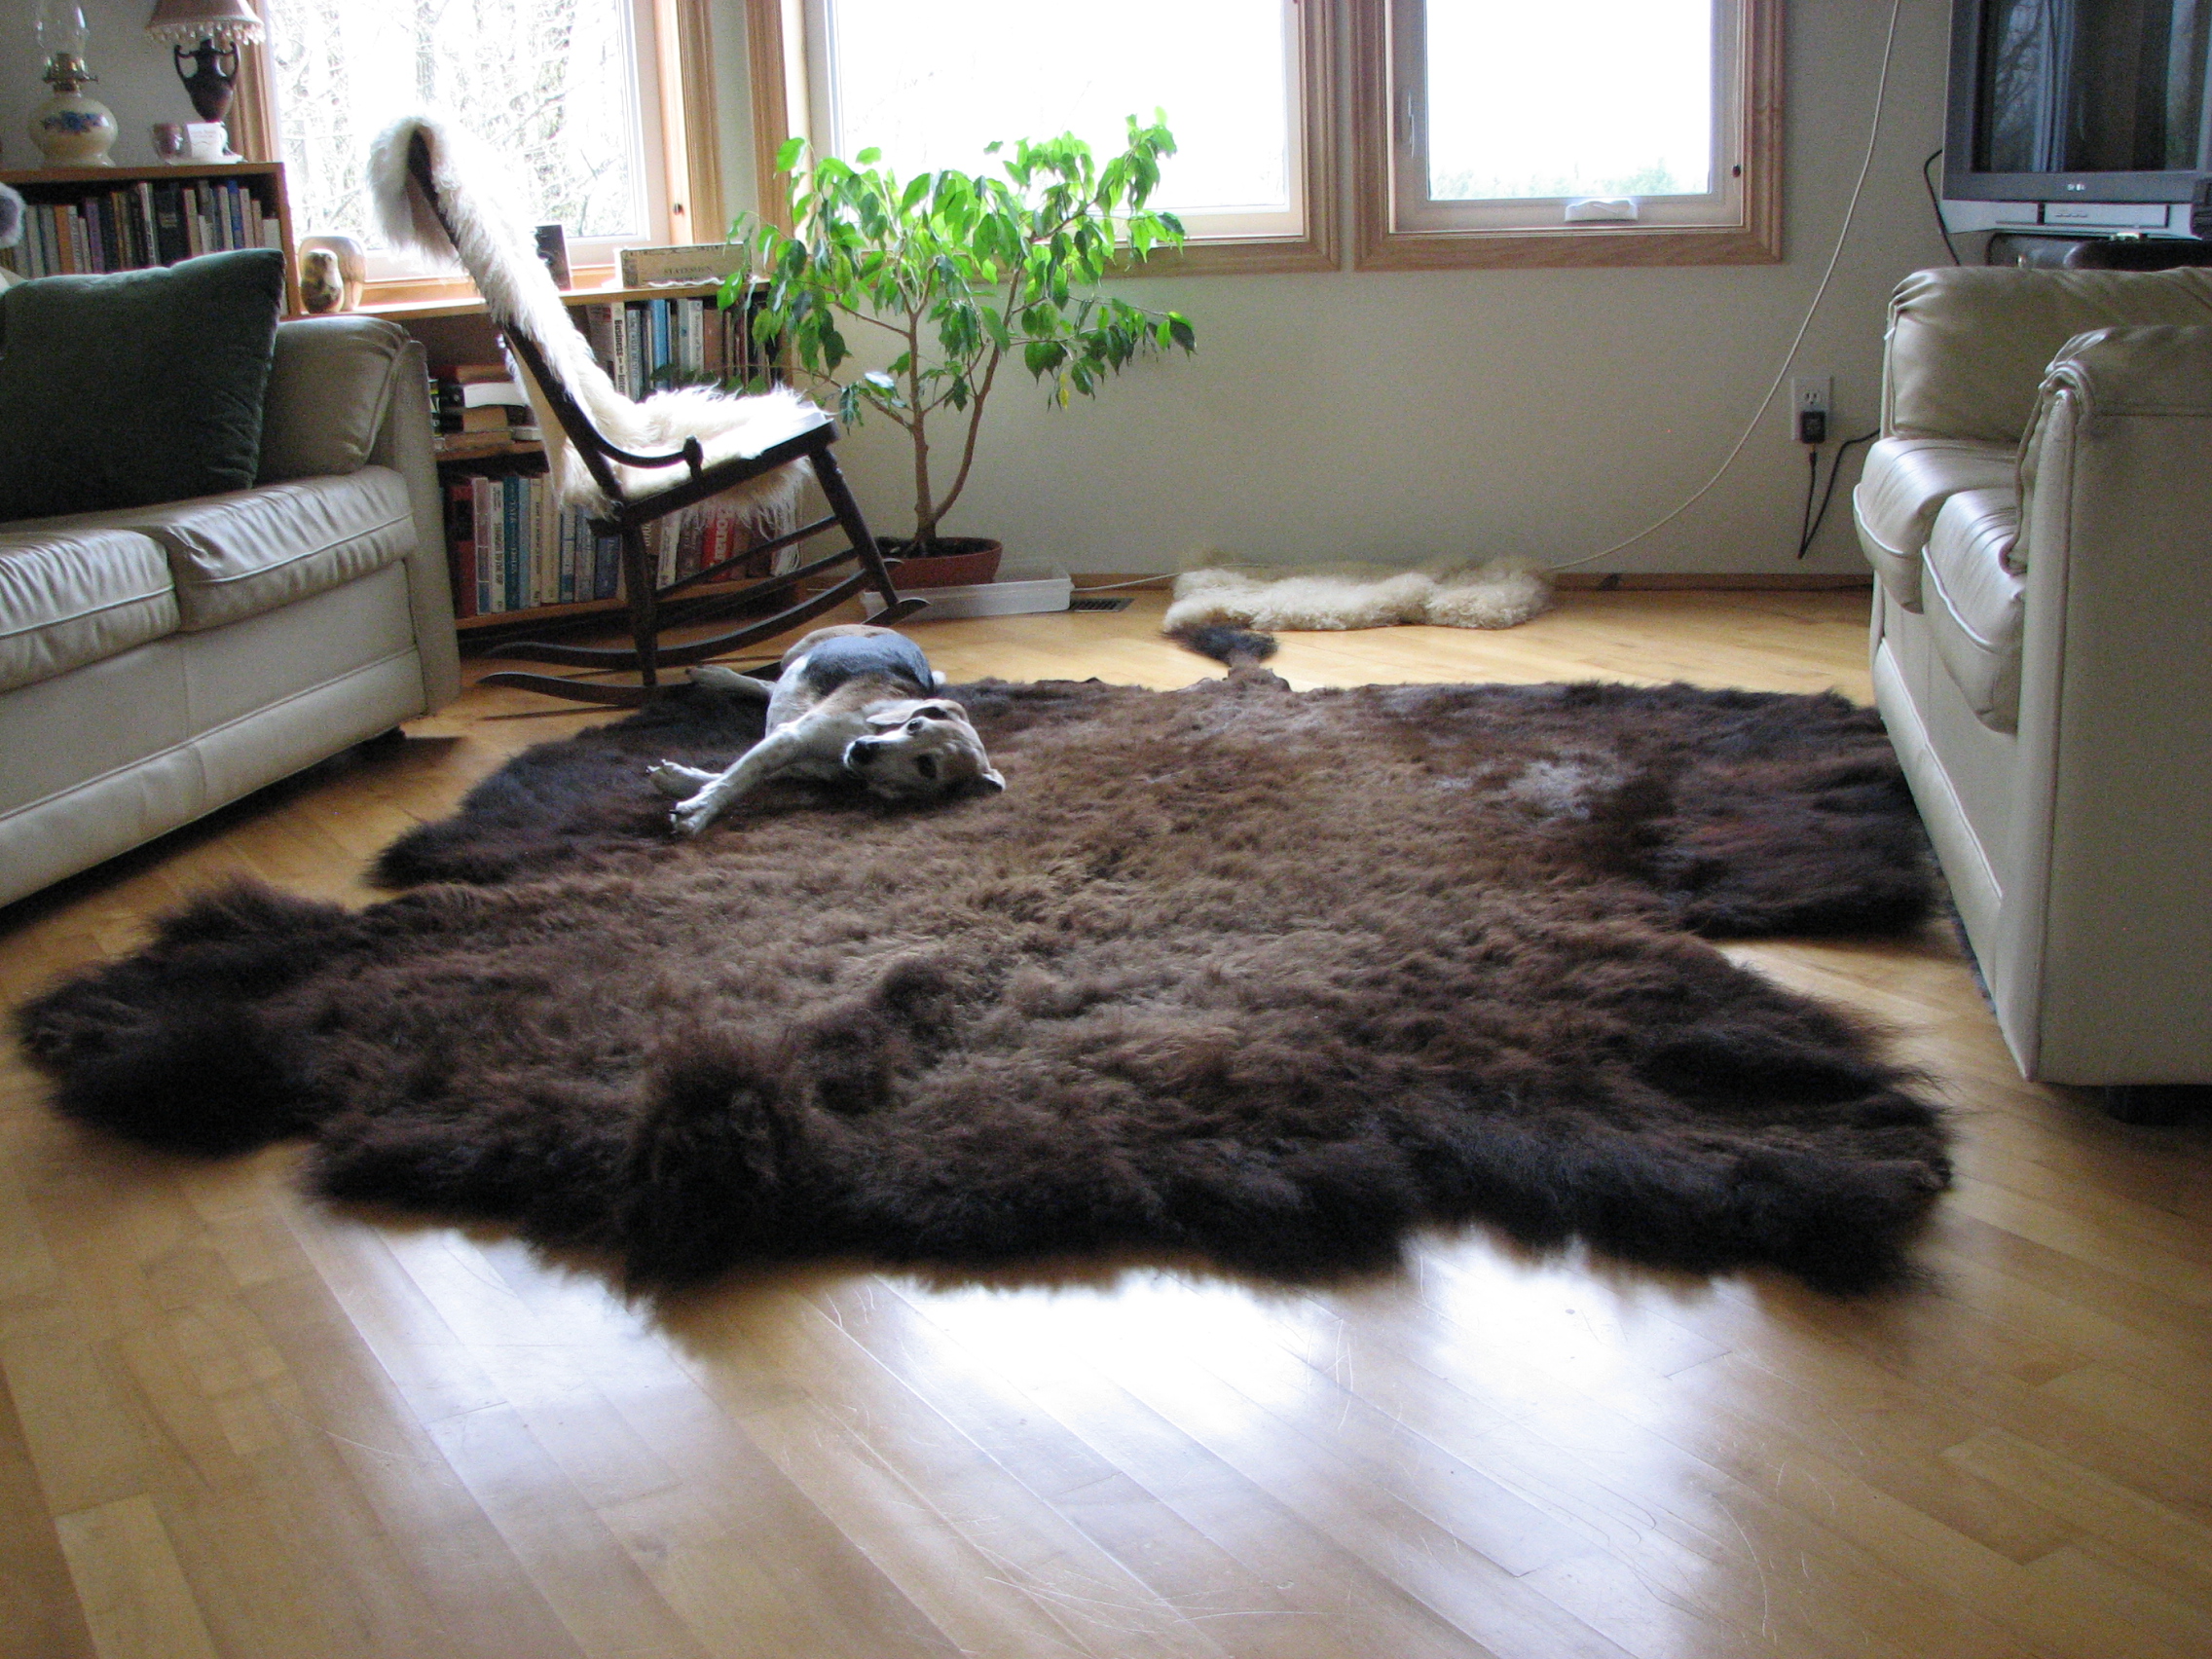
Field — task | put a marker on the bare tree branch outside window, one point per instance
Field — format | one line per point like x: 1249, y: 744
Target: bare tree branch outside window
x: 548, y: 84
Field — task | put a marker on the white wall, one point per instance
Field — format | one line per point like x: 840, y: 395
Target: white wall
x: 136, y: 79
x: 1541, y: 415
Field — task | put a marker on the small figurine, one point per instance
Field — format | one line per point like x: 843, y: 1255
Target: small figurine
x: 339, y: 274
x: 321, y: 287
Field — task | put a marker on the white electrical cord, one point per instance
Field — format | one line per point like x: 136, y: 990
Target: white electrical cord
x: 1842, y: 235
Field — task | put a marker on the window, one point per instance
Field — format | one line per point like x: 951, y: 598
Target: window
x: 1585, y: 131
x: 583, y: 98
x: 1243, y: 83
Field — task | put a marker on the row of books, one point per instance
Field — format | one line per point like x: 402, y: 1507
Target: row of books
x: 141, y: 224
x: 647, y: 346
x: 514, y: 548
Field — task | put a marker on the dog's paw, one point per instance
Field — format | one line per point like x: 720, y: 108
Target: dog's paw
x: 681, y: 782
x: 716, y: 677
x: 687, y: 818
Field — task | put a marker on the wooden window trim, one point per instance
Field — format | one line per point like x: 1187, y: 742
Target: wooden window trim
x: 775, y: 35
x: 1378, y: 247
x: 684, y: 71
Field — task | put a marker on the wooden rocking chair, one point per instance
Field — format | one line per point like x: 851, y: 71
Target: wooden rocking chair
x: 628, y: 510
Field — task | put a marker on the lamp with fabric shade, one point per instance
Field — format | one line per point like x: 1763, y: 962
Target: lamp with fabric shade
x: 205, y: 36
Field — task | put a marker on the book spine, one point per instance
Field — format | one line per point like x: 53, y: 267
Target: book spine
x: 80, y: 241
x: 534, y: 540
x: 618, y: 347
x: 659, y: 364
x: 510, y: 512
x: 170, y: 245
x: 638, y: 331
x: 480, y: 519
x: 460, y: 546
x: 548, y: 533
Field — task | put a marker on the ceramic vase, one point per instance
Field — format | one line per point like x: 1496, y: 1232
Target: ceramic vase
x: 73, y: 130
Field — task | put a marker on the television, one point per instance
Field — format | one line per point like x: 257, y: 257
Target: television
x: 2097, y: 111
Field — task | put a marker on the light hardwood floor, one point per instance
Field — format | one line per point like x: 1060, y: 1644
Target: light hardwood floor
x: 240, y: 1422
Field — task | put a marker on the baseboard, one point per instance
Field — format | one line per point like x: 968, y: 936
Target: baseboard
x: 1713, y: 581
x: 1617, y: 582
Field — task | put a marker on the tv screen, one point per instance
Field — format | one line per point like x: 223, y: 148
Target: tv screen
x: 2081, y: 100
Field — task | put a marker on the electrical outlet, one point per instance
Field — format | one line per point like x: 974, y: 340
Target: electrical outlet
x: 1811, y: 403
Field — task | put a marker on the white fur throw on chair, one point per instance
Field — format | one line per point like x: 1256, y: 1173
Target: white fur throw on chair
x: 1358, y: 596
x: 499, y: 254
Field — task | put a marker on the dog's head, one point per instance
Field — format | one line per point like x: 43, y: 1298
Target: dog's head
x: 919, y: 750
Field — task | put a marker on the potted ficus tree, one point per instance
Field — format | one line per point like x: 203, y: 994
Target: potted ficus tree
x: 960, y: 271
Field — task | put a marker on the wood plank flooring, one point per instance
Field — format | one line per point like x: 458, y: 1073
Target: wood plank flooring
x: 239, y: 1422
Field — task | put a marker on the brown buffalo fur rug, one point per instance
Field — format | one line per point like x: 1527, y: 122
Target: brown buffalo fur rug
x: 1270, y: 976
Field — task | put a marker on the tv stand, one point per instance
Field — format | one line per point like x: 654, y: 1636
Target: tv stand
x: 2044, y: 251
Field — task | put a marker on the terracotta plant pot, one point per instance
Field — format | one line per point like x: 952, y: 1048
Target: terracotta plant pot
x: 966, y: 561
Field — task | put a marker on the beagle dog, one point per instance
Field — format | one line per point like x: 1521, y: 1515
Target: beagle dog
x: 853, y: 701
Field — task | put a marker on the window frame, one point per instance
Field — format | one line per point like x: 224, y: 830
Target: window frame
x: 781, y: 100
x: 1383, y: 39
x: 678, y: 141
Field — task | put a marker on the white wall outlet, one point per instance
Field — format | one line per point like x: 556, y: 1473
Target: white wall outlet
x: 1812, y: 404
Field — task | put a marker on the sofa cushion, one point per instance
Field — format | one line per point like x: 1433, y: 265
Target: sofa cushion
x: 329, y: 385
x: 252, y: 550
x: 69, y: 598
x: 1906, y: 484
x: 1976, y: 603
x: 144, y: 385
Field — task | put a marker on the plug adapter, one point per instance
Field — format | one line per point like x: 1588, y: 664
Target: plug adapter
x: 1811, y: 398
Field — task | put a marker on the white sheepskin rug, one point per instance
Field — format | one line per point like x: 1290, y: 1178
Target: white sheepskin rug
x: 499, y: 254
x: 1358, y: 596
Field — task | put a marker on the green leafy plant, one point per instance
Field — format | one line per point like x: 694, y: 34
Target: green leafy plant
x: 964, y: 270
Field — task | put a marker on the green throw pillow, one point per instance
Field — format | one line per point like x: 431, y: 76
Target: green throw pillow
x: 142, y: 386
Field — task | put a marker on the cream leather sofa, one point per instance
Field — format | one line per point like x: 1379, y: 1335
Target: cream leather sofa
x: 159, y: 662
x: 2039, y: 511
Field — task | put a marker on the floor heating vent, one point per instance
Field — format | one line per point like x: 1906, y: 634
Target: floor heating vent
x: 1100, y: 602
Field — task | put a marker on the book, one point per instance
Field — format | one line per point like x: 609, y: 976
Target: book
x: 511, y: 542
x: 480, y: 492
x: 460, y: 546
x: 478, y: 394
x: 689, y: 265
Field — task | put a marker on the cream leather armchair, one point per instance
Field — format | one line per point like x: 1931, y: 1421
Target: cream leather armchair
x: 2038, y: 513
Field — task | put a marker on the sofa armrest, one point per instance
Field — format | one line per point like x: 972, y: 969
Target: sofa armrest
x: 1968, y: 346
x: 404, y: 443
x: 2144, y: 370
x: 2116, y: 700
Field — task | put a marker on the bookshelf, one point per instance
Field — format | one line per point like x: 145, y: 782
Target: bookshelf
x: 96, y: 219
x: 455, y: 331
